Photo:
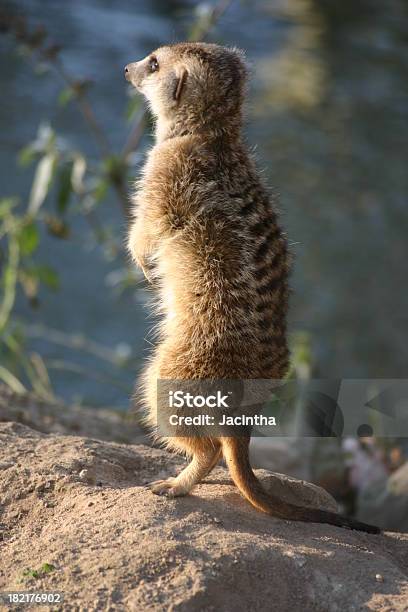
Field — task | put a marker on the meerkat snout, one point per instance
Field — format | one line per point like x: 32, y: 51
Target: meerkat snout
x: 134, y: 73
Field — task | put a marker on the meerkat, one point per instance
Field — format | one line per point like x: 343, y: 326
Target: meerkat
x: 205, y: 231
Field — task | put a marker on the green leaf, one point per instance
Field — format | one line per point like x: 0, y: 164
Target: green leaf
x: 8, y: 377
x: 9, y: 281
x: 27, y: 155
x: 30, y: 573
x: 29, y: 238
x: 48, y: 276
x: 42, y: 182
x: 30, y: 276
x: 6, y: 206
x: 65, y: 96
x: 100, y: 190
x: 46, y: 568
x: 64, y: 187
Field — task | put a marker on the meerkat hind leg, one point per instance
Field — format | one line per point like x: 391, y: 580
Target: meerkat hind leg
x: 200, y: 466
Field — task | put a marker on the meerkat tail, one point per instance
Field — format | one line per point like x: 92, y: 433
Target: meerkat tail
x: 235, y: 452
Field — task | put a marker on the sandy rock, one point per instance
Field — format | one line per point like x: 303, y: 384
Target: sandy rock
x: 115, y: 546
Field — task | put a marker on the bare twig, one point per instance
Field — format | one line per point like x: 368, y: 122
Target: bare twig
x: 201, y: 33
x: 74, y: 341
x: 74, y: 368
x: 84, y: 106
x: 118, y: 185
x: 135, y: 136
x: 35, y: 40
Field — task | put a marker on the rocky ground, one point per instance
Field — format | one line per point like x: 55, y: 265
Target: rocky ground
x: 55, y: 417
x: 76, y: 516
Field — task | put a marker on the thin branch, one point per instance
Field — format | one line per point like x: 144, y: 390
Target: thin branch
x: 118, y: 185
x: 135, y: 136
x: 74, y: 341
x: 74, y: 368
x: 50, y: 56
x: 212, y: 19
x: 84, y: 106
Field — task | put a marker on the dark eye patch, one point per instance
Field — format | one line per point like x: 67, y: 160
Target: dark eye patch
x: 153, y: 64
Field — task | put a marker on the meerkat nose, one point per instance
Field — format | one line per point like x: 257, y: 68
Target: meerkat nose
x: 127, y: 73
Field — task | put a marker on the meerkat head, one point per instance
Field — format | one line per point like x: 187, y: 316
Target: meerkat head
x: 194, y: 84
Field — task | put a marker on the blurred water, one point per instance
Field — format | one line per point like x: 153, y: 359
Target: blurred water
x: 328, y: 110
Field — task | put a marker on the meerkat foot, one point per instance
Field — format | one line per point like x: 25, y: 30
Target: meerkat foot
x: 200, y: 465
x: 169, y: 488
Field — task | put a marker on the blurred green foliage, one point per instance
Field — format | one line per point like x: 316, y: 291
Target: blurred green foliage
x: 70, y: 183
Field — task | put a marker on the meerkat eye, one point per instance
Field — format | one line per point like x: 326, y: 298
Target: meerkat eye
x: 153, y: 64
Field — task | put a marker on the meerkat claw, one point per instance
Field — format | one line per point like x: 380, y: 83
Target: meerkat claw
x: 167, y: 487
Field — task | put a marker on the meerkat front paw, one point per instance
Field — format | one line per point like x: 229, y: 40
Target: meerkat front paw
x: 168, y: 487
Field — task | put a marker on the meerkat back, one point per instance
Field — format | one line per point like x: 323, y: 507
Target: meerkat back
x: 206, y: 233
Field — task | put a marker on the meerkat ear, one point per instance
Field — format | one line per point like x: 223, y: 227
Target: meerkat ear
x: 180, y: 84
